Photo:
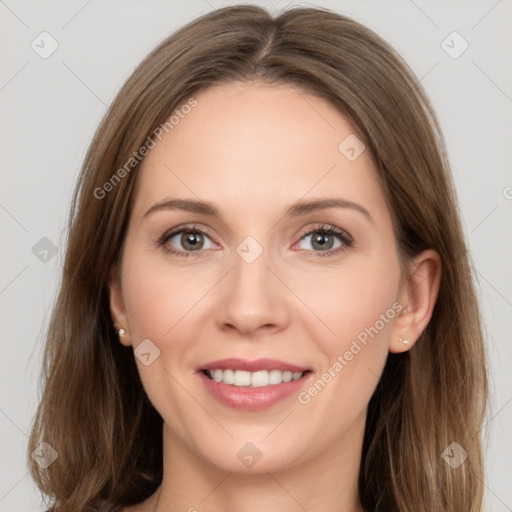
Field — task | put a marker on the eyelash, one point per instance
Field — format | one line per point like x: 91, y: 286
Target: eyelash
x: 325, y: 229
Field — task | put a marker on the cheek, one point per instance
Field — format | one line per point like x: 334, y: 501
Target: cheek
x: 358, y: 306
x: 158, y: 295
x: 351, y: 300
x: 159, y: 301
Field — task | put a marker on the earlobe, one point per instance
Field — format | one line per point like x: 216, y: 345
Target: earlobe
x: 117, y: 308
x: 418, y: 295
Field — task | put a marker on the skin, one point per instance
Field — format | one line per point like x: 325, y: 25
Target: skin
x: 253, y: 150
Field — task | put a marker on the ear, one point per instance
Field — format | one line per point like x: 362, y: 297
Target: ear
x: 117, y: 309
x: 418, y: 295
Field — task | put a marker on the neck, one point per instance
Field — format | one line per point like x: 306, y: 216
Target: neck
x: 327, y: 482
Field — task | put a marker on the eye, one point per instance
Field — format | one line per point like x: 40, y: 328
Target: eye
x: 326, y: 239
x: 188, y: 241
x: 185, y: 241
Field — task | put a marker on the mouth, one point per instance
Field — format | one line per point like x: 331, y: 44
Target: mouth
x: 258, y: 379
x: 252, y: 385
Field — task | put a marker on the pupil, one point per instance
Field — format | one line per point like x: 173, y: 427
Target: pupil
x: 322, y: 241
x: 191, y: 240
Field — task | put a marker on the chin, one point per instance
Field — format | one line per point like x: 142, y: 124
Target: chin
x: 251, y: 454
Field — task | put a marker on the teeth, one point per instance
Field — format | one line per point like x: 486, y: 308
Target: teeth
x: 259, y: 379
x: 241, y: 378
x: 253, y: 379
x: 228, y: 376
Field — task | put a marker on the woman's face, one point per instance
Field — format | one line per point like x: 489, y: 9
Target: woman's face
x: 259, y: 292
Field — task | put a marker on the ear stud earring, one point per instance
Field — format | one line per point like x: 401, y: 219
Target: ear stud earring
x: 405, y: 342
x: 121, y: 333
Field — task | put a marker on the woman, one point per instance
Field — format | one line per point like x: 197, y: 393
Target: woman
x: 266, y: 301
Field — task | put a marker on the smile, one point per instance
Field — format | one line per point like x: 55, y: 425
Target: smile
x: 257, y: 379
x: 252, y: 385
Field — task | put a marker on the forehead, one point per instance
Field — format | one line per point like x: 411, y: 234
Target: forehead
x: 257, y: 144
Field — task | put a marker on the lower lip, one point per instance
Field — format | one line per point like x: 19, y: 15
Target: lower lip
x: 249, y: 398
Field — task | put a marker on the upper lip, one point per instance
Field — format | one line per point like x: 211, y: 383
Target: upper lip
x: 252, y: 365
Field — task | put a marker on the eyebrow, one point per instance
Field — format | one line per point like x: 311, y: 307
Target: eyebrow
x: 299, y: 208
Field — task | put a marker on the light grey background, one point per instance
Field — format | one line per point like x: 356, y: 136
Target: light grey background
x: 51, y: 107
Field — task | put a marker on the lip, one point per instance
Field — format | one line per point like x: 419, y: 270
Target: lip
x: 248, y: 398
x: 252, y: 366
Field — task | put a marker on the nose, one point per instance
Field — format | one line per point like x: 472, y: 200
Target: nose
x: 253, y: 299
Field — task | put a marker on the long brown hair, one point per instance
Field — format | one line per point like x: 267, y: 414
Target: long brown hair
x: 94, y: 412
